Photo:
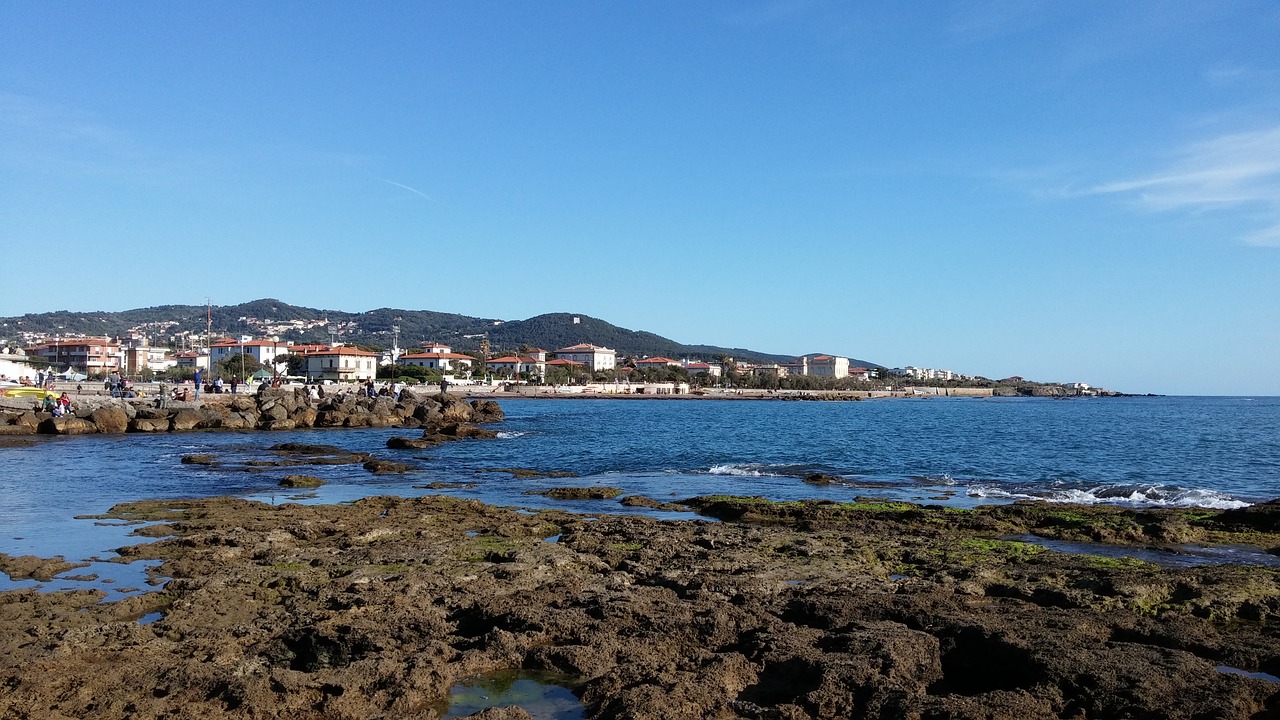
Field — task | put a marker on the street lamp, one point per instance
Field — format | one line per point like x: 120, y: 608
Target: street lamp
x: 395, y: 352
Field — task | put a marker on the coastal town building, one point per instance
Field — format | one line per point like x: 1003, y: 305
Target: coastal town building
x: 657, y: 362
x: 264, y: 351
x: 193, y: 360
x: 92, y: 356
x: 514, y: 365
x: 829, y: 366
x: 594, y: 357
x: 564, y: 364
x: 343, y: 364
x: 13, y: 365
x: 929, y: 374
x: 800, y: 366
x: 768, y: 370
x: 861, y: 374
x: 148, y: 358
x: 698, y: 368
x: 438, y: 356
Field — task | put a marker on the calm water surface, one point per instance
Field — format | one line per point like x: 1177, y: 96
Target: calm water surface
x: 1217, y: 452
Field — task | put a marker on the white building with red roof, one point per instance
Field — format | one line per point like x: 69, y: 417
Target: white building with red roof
x: 439, y: 360
x: 516, y: 364
x: 344, y: 364
x: 656, y: 362
x: 829, y: 366
x: 594, y: 357
x: 264, y: 351
x: 696, y: 368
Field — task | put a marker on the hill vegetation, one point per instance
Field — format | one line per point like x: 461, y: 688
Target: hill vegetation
x: 168, y: 324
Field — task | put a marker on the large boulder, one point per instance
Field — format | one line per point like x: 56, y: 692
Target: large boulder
x: 110, y: 419
x: 486, y: 411
x: 239, y: 421
x: 241, y: 403
x: 304, y: 417
x: 330, y: 418
x: 67, y: 425
x: 466, y: 430
x: 144, y: 424
x: 383, y: 406
x: 283, y: 424
x: 212, y: 416
x: 453, y: 409
x: 427, y: 413
x: 187, y: 420
x: 404, y: 443
x: 274, y: 411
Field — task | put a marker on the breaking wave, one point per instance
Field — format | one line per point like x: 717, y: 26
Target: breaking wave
x: 1139, y: 495
x: 747, y: 470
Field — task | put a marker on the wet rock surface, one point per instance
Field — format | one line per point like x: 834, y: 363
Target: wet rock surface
x: 785, y: 610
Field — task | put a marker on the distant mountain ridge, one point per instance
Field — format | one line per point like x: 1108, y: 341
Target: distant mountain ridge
x: 374, y: 327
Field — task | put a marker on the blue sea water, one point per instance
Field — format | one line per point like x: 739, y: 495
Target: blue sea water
x: 1146, y: 451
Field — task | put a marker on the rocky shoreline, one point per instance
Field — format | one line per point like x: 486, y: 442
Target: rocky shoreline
x: 779, y: 610
x: 269, y: 409
x: 747, y: 609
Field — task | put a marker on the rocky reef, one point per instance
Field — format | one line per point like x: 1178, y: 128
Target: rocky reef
x: 775, y: 611
x: 269, y: 409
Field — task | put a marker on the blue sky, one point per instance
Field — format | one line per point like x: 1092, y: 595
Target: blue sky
x: 1084, y: 191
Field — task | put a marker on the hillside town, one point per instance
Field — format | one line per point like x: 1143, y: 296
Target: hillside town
x: 257, y: 359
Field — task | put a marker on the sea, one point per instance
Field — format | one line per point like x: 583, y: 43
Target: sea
x: 1216, y: 452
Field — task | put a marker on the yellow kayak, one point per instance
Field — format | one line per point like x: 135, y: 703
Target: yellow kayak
x: 27, y: 391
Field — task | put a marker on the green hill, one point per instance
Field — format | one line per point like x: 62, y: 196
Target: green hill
x: 373, y: 328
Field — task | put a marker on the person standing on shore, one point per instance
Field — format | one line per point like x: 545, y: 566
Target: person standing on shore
x: 235, y: 382
x: 199, y: 372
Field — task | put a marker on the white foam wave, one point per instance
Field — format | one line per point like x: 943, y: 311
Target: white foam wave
x: 741, y: 471
x: 1147, y: 496
x: 508, y: 434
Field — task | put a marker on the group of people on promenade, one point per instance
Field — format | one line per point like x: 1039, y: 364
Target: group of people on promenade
x: 41, y: 380
x: 393, y: 389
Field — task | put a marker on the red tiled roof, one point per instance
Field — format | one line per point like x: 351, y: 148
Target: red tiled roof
x: 344, y: 351
x: 511, y: 359
x: 436, y: 356
x: 251, y: 343
x: 562, y: 362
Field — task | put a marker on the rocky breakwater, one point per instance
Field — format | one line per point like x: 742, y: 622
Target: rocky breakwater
x: 270, y: 409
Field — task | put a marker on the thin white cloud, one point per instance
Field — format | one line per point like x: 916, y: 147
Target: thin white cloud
x: 1237, y: 171
x: 415, y: 191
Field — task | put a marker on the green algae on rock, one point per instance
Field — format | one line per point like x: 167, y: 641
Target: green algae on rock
x: 378, y: 608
